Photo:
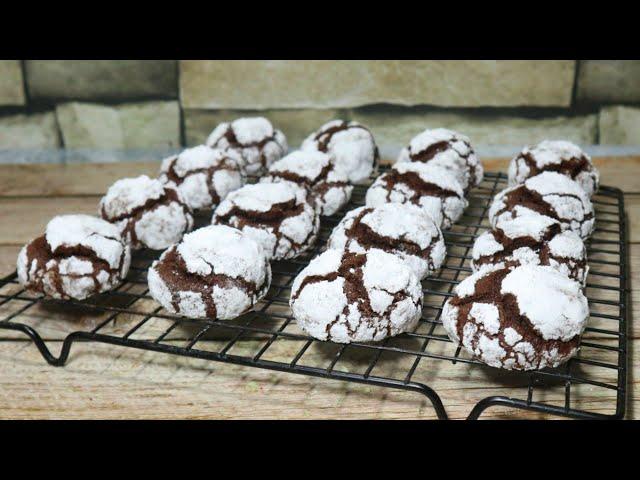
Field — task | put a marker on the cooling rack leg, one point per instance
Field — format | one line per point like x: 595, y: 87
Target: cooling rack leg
x: 435, y: 401
x: 39, y: 343
x: 485, y: 403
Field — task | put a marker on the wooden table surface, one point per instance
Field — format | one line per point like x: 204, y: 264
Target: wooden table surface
x: 101, y: 381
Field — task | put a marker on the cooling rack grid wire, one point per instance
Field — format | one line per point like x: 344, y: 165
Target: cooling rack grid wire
x: 423, y: 361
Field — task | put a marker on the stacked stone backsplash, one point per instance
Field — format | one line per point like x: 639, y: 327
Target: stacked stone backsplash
x: 164, y: 105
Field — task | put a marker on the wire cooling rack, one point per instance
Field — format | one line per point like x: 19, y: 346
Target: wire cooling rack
x: 591, y: 385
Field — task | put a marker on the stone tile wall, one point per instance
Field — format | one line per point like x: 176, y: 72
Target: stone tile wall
x: 168, y: 104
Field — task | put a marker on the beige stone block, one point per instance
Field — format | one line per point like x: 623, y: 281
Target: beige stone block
x: 101, y: 79
x: 265, y: 84
x: 395, y: 128
x: 11, y: 84
x: 35, y: 131
x: 620, y: 126
x: 137, y: 125
x: 608, y: 81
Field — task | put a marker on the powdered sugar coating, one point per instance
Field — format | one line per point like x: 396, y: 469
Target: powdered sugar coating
x: 216, y: 272
x: 447, y: 149
x: 77, y: 257
x: 204, y: 176
x: 350, y: 144
x: 403, y: 230
x: 274, y: 215
x: 147, y: 212
x: 570, y: 309
x: 254, y: 138
x: 558, y: 156
x: 316, y: 173
x: 498, y: 317
x: 431, y: 187
x: 345, y: 297
x: 535, y: 240
x: 551, y: 194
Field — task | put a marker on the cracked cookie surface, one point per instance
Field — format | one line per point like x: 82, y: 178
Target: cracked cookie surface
x: 433, y: 188
x: 555, y: 156
x: 216, y: 272
x: 204, y: 176
x: 350, y: 144
x: 77, y: 257
x: 254, y: 138
x: 148, y: 213
x: 447, y: 149
x: 349, y: 297
x: 274, y: 215
x: 316, y: 173
x: 499, y: 318
x: 403, y: 230
x: 551, y: 194
x: 535, y: 240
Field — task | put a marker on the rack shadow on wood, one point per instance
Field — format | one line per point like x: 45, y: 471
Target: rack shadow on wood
x: 268, y: 337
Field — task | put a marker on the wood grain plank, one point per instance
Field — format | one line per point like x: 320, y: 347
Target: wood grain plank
x: 632, y: 207
x: 109, y: 382
x: 70, y: 179
x: 22, y: 219
x: 95, y: 178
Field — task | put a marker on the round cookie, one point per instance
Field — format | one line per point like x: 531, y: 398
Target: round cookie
x: 254, y: 138
x: 433, y: 188
x: 405, y: 231
x: 350, y: 144
x: 216, y: 272
x: 555, y: 156
x: 527, y: 318
x: 316, y: 173
x: 204, y: 176
x: 356, y: 297
x: 148, y: 213
x: 447, y: 149
x: 551, y: 194
x: 274, y: 215
x: 535, y: 240
x: 77, y: 257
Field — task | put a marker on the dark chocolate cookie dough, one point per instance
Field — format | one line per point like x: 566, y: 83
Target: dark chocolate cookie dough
x: 216, y: 272
x: 527, y: 318
x: 77, y: 257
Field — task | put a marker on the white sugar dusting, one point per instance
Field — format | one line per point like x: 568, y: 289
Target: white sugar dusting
x: 128, y: 193
x: 570, y: 310
x: 323, y: 310
x: 402, y: 222
x: 99, y: 235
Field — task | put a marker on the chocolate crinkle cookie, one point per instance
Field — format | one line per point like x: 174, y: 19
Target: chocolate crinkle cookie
x: 77, y: 257
x: 447, y: 149
x: 431, y: 187
x: 148, y: 213
x: 274, y: 215
x: 527, y: 318
x: 350, y: 144
x: 254, y: 138
x: 534, y: 240
x: 356, y: 297
x: 551, y: 194
x: 204, y: 176
x: 216, y: 272
x: 405, y: 231
x: 327, y: 185
x: 555, y: 156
